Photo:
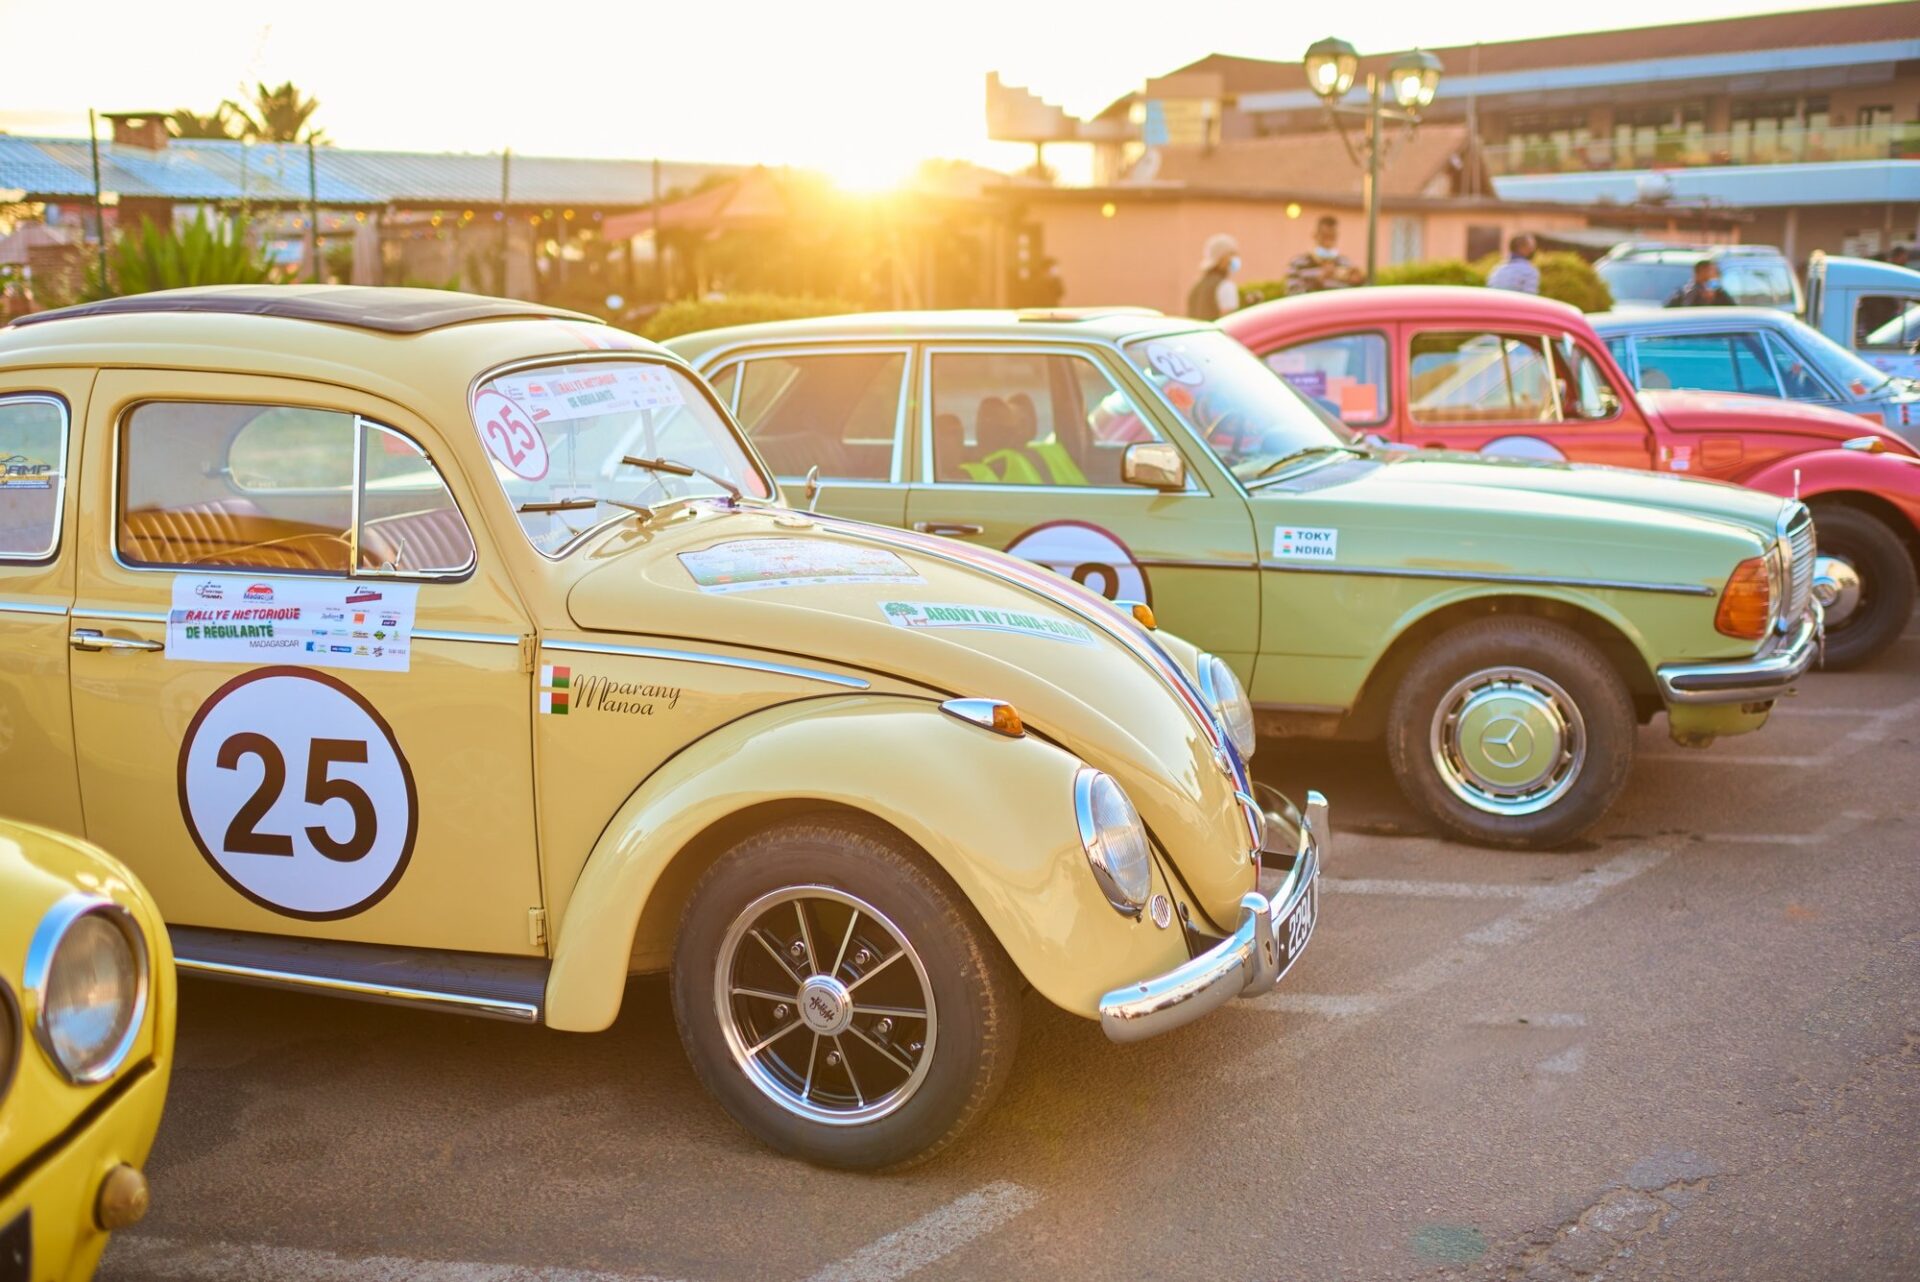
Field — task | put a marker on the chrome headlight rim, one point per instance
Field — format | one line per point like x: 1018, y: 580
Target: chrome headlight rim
x: 1211, y: 690
x: 14, y: 1028
x: 37, y: 978
x: 1092, y: 843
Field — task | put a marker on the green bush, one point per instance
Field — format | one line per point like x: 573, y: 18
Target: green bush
x: 1571, y: 279
x: 1439, y: 271
x: 1259, y: 291
x: 690, y: 315
x: 201, y: 253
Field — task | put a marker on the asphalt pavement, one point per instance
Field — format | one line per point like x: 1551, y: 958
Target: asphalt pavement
x: 1688, y: 1048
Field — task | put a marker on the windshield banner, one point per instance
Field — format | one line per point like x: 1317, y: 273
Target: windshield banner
x: 322, y: 623
x: 587, y: 393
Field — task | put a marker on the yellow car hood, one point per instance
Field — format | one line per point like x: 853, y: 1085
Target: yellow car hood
x: 958, y: 621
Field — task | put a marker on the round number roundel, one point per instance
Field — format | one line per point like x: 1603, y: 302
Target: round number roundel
x: 297, y: 793
x: 1087, y: 554
x: 510, y: 435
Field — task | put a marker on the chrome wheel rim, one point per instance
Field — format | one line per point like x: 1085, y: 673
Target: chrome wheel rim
x: 1836, y: 586
x: 1508, y: 741
x: 825, y: 1006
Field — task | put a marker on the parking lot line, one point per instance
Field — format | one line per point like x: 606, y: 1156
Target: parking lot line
x: 1332, y: 1005
x: 1427, y: 889
x: 933, y: 1236
x: 164, y: 1258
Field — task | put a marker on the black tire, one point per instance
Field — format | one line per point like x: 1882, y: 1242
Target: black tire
x: 1886, y: 583
x: 974, y: 991
x: 1454, y: 668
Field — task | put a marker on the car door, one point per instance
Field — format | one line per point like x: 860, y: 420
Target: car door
x: 300, y: 696
x: 37, y: 446
x: 840, y: 408
x: 1021, y: 448
x: 1518, y: 393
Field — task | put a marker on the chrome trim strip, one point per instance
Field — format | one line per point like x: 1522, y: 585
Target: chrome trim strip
x: 124, y: 616
x: 477, y: 638
x: 37, y: 974
x: 1763, y: 677
x: 1473, y: 576
x: 486, y: 1007
x: 30, y: 607
x: 717, y: 660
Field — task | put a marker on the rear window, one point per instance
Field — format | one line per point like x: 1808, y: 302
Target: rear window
x: 33, y: 457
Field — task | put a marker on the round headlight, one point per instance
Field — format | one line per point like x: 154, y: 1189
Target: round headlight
x: 87, y: 971
x: 1230, y: 703
x: 1115, y: 840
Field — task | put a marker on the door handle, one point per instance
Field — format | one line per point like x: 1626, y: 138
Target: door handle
x: 92, y: 639
x: 948, y: 527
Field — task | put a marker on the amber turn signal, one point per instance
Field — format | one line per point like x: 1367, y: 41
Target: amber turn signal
x: 988, y: 714
x: 1142, y: 613
x: 1746, y: 606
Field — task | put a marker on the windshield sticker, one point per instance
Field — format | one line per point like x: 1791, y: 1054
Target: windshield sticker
x: 557, y: 395
x: 1301, y: 543
x: 564, y: 692
x: 1174, y: 364
x: 322, y: 623
x: 507, y: 431
x: 745, y: 565
x: 927, y: 614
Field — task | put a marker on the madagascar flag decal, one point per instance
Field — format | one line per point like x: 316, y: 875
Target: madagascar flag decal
x: 555, y: 683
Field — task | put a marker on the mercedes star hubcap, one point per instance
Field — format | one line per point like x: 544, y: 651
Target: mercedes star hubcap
x: 1508, y: 741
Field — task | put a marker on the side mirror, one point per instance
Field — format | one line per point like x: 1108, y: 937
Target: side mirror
x: 1154, y: 464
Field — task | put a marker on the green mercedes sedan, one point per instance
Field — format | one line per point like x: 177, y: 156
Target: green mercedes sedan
x: 1504, y: 625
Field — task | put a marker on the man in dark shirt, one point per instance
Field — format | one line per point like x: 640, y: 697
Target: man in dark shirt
x: 1705, y: 291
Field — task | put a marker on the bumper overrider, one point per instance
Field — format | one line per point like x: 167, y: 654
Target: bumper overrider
x: 1272, y: 934
x: 1767, y: 675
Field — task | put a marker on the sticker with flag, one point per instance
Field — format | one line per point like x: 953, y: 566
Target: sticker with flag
x: 555, y: 683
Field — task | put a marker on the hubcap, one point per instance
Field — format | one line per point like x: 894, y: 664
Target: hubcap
x: 824, y: 1005
x: 1836, y: 586
x: 1508, y: 741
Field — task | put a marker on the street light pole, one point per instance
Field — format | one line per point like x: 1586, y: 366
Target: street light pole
x: 1370, y: 194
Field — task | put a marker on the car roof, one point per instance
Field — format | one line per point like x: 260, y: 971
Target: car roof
x: 1381, y: 304
x: 1647, y: 318
x: 1100, y: 324
x: 390, y: 311
x: 1666, y: 252
x: 1842, y: 272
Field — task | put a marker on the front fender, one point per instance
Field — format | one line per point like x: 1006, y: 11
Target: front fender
x: 996, y: 815
x: 1893, y: 477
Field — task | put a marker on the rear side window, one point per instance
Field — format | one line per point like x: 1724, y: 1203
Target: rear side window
x: 283, y: 490
x: 33, y: 476
x: 839, y: 412
x: 1345, y: 375
x: 1706, y: 362
x: 1481, y: 378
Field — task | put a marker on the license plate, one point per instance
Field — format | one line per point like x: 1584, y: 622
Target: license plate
x: 1297, y: 929
x: 16, y: 1249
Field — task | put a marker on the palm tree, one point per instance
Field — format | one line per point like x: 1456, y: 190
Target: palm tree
x: 278, y: 114
x: 188, y: 123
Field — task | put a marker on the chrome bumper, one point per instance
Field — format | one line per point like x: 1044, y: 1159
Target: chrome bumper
x: 1247, y: 963
x: 1763, y: 677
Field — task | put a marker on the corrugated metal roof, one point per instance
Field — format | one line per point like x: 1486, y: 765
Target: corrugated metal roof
x: 212, y: 169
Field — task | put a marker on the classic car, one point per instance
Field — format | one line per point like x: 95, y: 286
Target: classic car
x: 1644, y: 274
x: 1505, y: 373
x: 447, y: 651
x: 1504, y: 627
x: 1755, y: 351
x: 86, y: 1047
x: 1870, y: 306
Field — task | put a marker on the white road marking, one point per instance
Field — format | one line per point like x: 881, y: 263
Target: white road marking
x: 159, y: 1257
x: 1332, y: 1005
x: 1570, y: 1060
x: 1875, y: 725
x: 1427, y: 889
x: 1827, y: 832
x: 933, y: 1236
x: 1735, y: 759
x: 1564, y: 897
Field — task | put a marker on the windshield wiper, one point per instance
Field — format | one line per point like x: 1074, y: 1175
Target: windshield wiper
x: 576, y: 504
x: 1307, y: 451
x: 671, y: 468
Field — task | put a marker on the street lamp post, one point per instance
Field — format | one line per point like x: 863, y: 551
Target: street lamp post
x: 1414, y: 78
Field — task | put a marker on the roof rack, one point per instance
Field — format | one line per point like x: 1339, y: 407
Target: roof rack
x: 387, y: 311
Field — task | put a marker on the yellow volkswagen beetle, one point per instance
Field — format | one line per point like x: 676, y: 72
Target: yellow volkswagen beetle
x: 450, y: 651
x: 86, y: 1045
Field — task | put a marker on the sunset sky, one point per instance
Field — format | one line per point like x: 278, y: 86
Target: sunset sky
x: 863, y: 90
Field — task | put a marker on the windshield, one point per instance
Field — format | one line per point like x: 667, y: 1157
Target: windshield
x: 556, y: 436
x: 1848, y: 368
x: 1631, y: 282
x: 1250, y: 416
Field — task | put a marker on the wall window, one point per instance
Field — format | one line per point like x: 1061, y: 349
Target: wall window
x: 282, y: 494
x: 1345, y: 375
x: 1481, y: 378
x: 1706, y: 362
x: 33, y: 476
x: 839, y: 412
x: 1030, y: 418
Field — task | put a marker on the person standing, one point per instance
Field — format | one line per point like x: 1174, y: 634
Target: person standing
x: 1705, y: 290
x: 1518, y: 272
x: 1215, y: 294
x: 1323, y: 266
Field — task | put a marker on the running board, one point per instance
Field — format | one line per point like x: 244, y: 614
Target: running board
x: 482, y: 984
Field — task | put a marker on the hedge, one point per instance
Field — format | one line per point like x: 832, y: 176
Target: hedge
x: 1563, y: 276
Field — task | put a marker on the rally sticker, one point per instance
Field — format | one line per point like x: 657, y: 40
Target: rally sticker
x: 295, y: 790
x: 927, y: 614
x: 1087, y: 554
x: 508, y: 433
x: 600, y: 389
x: 745, y: 565
x: 1174, y: 364
x: 324, y: 623
x: 18, y: 472
x: 1301, y: 543
x: 564, y: 691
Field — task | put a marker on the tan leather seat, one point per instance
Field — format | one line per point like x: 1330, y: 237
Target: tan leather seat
x: 436, y: 539
x: 229, y: 532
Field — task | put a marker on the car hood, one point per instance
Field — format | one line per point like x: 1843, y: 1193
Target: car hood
x: 1734, y: 412
x: 954, y: 620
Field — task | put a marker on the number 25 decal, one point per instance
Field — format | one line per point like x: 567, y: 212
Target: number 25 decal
x: 331, y: 848
x: 509, y: 436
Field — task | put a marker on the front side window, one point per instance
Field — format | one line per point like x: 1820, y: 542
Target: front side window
x: 1030, y: 418
x: 560, y: 437
x: 1797, y: 378
x: 1345, y: 375
x: 1886, y: 322
x: 1586, y: 394
x: 1477, y: 377
x: 33, y: 476
x: 1705, y: 362
x: 282, y: 490
x: 839, y: 412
